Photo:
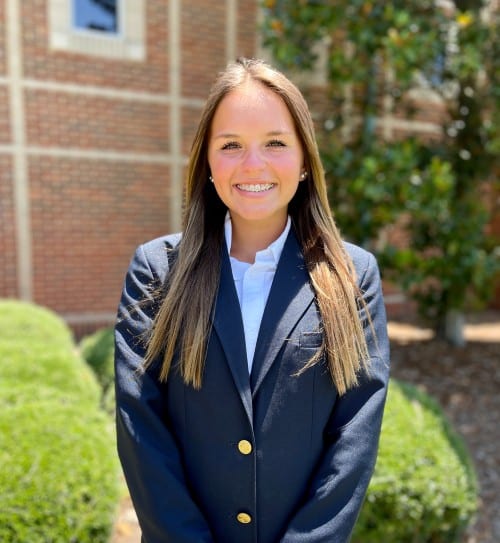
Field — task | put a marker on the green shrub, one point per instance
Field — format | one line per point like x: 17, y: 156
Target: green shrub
x: 58, y: 467
x: 58, y: 472
x: 51, y: 366
x: 424, y: 489
x: 36, y: 346
x: 98, y: 351
x: 108, y: 401
x: 33, y: 324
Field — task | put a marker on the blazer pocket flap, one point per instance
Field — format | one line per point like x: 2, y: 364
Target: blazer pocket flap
x: 311, y: 340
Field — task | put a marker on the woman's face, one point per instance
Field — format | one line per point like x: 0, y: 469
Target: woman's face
x: 255, y: 156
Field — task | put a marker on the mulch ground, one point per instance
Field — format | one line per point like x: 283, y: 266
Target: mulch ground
x: 465, y: 381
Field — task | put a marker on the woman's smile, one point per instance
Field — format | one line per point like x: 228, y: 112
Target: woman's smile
x: 255, y: 187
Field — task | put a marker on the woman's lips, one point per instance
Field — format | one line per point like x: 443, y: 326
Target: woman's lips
x: 255, y: 187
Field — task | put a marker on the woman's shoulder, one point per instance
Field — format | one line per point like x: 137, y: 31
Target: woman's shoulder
x: 362, y: 259
x: 161, y: 244
x: 157, y: 253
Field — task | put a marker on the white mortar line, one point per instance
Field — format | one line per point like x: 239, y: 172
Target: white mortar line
x: 231, y: 29
x: 95, y: 154
x: 91, y: 90
x: 20, y: 166
x: 174, y: 45
x: 108, y: 92
x: 88, y: 318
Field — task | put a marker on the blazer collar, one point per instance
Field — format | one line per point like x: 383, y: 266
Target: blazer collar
x: 290, y: 296
x: 228, y: 324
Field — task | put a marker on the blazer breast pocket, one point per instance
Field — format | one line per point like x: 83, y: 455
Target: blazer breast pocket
x: 310, y: 340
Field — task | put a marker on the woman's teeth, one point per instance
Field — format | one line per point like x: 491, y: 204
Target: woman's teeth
x: 261, y: 187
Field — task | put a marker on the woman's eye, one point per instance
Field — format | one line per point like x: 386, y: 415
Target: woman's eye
x: 230, y: 145
x: 276, y: 143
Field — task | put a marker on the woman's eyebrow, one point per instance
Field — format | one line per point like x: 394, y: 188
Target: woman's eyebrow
x: 227, y: 135
x: 279, y: 133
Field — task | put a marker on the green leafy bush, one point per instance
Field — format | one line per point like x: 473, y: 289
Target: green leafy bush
x: 432, y: 188
x: 32, y: 324
x: 424, y: 488
x: 36, y: 346
x: 58, y: 468
x: 58, y: 473
x: 98, y: 351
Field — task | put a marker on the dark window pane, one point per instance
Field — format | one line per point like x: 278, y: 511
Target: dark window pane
x: 100, y: 15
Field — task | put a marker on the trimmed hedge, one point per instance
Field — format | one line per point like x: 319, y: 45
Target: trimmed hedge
x: 58, y: 467
x: 98, y: 351
x: 36, y: 346
x: 58, y: 475
x: 424, y: 489
x: 32, y: 324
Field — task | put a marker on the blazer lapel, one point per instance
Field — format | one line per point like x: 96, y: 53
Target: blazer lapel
x: 290, y: 296
x: 228, y: 325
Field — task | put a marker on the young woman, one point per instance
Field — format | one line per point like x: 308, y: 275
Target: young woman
x: 251, y: 351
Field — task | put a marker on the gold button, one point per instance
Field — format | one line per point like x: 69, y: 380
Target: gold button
x: 244, y: 518
x: 244, y: 446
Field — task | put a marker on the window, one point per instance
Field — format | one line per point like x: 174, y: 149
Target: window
x: 96, y: 15
x: 105, y: 28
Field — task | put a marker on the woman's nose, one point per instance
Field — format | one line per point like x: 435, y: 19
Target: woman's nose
x: 253, y: 159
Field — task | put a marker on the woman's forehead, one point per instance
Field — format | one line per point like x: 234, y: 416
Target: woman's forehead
x: 253, y: 102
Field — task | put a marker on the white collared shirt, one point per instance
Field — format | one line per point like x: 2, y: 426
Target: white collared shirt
x: 253, y: 284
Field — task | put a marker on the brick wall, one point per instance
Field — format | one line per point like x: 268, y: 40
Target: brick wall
x: 42, y: 63
x: 93, y: 149
x: 86, y: 217
x: 3, y: 66
x: 8, y: 254
x: 95, y: 163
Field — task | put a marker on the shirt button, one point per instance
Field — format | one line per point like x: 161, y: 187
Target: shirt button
x: 244, y: 446
x: 244, y: 518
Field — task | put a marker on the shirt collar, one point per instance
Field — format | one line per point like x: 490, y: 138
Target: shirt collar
x: 275, y: 248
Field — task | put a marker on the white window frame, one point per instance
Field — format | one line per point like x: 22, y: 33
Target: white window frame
x: 100, y: 33
x: 129, y: 43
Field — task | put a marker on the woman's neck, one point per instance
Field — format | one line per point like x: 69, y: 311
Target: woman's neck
x: 250, y: 237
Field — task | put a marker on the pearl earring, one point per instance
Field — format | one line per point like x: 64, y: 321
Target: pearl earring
x: 303, y: 175
x: 211, y: 179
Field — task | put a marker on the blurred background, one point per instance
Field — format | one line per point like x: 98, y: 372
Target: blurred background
x: 99, y: 102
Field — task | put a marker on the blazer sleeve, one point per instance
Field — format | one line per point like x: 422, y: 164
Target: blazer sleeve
x: 339, y: 484
x: 150, y: 458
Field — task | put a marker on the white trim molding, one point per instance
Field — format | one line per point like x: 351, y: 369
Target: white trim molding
x: 18, y: 148
x: 128, y: 44
x: 231, y: 29
x: 175, y: 127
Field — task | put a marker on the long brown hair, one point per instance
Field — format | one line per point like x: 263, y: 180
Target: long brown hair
x: 182, y: 324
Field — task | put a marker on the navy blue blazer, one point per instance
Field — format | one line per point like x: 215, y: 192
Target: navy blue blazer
x: 263, y: 458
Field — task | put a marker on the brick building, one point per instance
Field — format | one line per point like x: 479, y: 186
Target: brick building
x: 99, y: 101
x: 97, y: 112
